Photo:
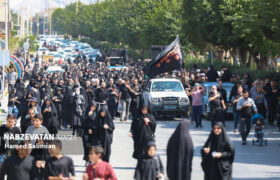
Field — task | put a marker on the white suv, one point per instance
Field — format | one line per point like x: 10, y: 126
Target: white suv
x: 167, y: 97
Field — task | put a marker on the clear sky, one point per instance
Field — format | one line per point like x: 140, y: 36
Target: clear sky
x: 16, y: 4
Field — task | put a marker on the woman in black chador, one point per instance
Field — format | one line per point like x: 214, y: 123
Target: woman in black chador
x: 78, y: 109
x: 89, y: 125
x: 217, y: 155
x: 112, y: 101
x: 142, y: 131
x: 105, y: 128
x: 149, y: 166
x: 180, y: 153
x: 50, y: 120
x: 57, y: 100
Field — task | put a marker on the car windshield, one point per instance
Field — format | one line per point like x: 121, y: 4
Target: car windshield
x: 56, y: 55
x: 172, y: 86
x: 228, y: 89
x: 115, y: 61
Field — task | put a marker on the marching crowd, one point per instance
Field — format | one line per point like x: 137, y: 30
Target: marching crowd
x: 87, y: 97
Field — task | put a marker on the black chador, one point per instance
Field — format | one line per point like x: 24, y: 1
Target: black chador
x: 218, y: 168
x: 105, y: 128
x: 148, y: 167
x: 142, y: 131
x: 90, y: 132
x: 180, y: 153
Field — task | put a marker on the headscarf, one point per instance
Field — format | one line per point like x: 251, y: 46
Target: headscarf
x: 217, y: 142
x: 105, y: 120
x: 149, y: 145
x: 148, y: 167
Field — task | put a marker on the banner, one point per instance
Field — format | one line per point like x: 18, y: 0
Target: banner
x: 167, y: 60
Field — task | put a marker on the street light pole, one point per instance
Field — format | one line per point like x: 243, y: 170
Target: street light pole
x: 6, y: 44
x: 38, y: 24
x: 7, y: 25
x: 18, y: 22
x: 77, y: 6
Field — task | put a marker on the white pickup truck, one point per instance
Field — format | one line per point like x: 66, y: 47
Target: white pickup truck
x: 167, y: 97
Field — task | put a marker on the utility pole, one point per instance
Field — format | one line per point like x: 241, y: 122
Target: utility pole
x: 6, y: 45
x: 44, y: 25
x: 77, y: 6
x: 18, y: 22
x: 31, y: 25
x: 38, y: 23
x: 7, y: 24
x: 50, y: 20
x: 31, y: 22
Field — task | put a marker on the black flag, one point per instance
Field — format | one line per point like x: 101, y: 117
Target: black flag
x: 167, y: 60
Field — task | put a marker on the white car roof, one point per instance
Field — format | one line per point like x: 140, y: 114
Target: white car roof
x: 164, y: 79
x: 43, y: 48
x: 54, y: 68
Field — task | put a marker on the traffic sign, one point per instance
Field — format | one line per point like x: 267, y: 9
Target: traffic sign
x: 4, y: 57
x: 26, y: 46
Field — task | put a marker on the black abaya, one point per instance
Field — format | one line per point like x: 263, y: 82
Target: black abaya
x: 148, y: 167
x: 218, y: 168
x: 105, y: 136
x: 89, y: 139
x: 142, y: 133
x: 50, y: 120
x: 180, y: 153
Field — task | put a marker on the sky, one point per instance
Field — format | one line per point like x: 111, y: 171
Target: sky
x: 31, y: 7
x: 16, y: 4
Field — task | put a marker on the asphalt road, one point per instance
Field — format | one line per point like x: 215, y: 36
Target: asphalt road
x: 251, y: 162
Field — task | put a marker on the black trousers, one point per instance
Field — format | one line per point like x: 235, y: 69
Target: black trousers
x: 245, y: 127
x: 217, y: 115
x: 261, y: 109
x: 10, y: 87
x: 271, y: 113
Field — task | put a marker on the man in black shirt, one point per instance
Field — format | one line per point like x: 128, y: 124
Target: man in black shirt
x: 125, y: 98
x: 58, y: 166
x: 217, y: 105
x: 227, y: 75
x: 222, y: 91
x: 212, y: 74
x: 271, y: 95
x: 236, y: 113
x: 8, y: 128
x: 101, y: 93
x: 20, y: 165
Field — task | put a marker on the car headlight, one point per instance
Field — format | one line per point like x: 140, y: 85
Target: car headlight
x: 183, y: 100
x: 155, y: 100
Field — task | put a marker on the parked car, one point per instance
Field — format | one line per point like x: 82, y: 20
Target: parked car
x: 206, y: 107
x: 41, y: 50
x: 167, y: 97
x: 56, y: 56
x: 53, y: 69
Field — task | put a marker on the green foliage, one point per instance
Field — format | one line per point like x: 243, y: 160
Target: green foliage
x: 13, y: 43
x: 250, y: 25
x: 202, y: 62
x: 32, y: 46
x: 137, y: 24
x: 237, y: 26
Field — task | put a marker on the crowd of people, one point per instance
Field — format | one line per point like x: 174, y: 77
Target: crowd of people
x: 87, y: 97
